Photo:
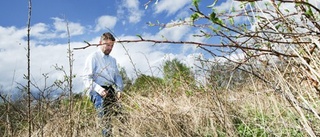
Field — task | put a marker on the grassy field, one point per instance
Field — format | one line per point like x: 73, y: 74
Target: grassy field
x: 252, y: 110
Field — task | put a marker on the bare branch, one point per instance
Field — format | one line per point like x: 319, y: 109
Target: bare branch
x: 29, y: 73
x: 300, y: 2
x: 88, y: 45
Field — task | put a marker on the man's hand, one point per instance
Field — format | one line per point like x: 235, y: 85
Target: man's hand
x: 118, y: 95
x: 103, y: 93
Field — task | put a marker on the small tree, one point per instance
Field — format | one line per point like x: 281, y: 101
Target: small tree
x: 177, y: 73
x: 145, y: 84
x: 127, y: 82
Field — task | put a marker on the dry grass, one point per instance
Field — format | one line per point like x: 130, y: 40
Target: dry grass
x: 163, y: 115
x: 252, y: 109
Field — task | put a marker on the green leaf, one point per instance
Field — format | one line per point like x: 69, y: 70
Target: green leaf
x: 151, y: 24
x: 279, y: 4
x: 212, y: 5
x: 233, y: 9
x: 205, y: 34
x: 213, y: 17
x: 194, y: 16
x: 309, y: 12
x: 231, y: 21
x: 269, y: 44
x: 252, y: 4
x: 258, y: 17
x: 196, y: 3
x: 218, y: 21
x: 213, y: 29
x: 139, y: 36
x: 267, y: 5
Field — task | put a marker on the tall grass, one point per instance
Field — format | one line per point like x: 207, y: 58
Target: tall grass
x: 255, y: 109
x: 283, y: 101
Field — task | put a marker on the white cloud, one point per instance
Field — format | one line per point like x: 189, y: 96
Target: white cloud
x: 11, y: 37
x: 172, y: 32
x: 38, y: 29
x: 228, y: 5
x: 43, y: 55
x: 130, y: 10
x: 144, y: 56
x: 61, y: 25
x: 42, y: 31
x: 105, y: 22
x: 13, y: 60
x: 192, y: 48
x: 59, y: 29
x: 170, y: 6
x: 135, y: 17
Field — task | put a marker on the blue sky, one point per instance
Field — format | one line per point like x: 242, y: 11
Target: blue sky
x: 130, y: 15
x: 87, y: 21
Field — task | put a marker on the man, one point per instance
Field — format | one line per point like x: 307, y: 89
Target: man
x: 100, y: 75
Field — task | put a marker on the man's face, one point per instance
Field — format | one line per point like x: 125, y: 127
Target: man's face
x: 106, y: 46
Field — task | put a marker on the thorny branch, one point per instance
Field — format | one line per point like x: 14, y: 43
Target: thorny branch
x: 271, y: 51
x: 28, y: 68
x: 264, y: 40
x: 88, y: 45
x: 6, y: 101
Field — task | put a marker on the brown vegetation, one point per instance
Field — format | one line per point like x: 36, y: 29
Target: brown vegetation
x: 277, y: 95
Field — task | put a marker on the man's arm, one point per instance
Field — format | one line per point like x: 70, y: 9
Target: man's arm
x: 88, y: 74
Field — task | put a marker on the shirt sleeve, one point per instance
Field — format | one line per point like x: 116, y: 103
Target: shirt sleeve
x: 88, y: 76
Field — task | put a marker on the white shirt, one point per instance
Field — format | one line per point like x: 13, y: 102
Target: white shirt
x: 101, y: 70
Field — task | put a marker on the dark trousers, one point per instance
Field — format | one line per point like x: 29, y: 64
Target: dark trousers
x: 109, y: 101
x: 104, y: 108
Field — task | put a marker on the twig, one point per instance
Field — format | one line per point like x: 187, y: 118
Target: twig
x: 28, y: 75
x: 154, y: 41
x: 88, y: 45
x: 6, y: 101
x: 146, y: 4
x: 273, y: 52
x: 70, y: 57
x: 127, y: 52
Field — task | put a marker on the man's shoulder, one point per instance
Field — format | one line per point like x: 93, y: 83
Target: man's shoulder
x: 112, y: 57
x: 93, y: 54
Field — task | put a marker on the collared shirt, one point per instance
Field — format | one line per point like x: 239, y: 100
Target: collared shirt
x: 101, y: 70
